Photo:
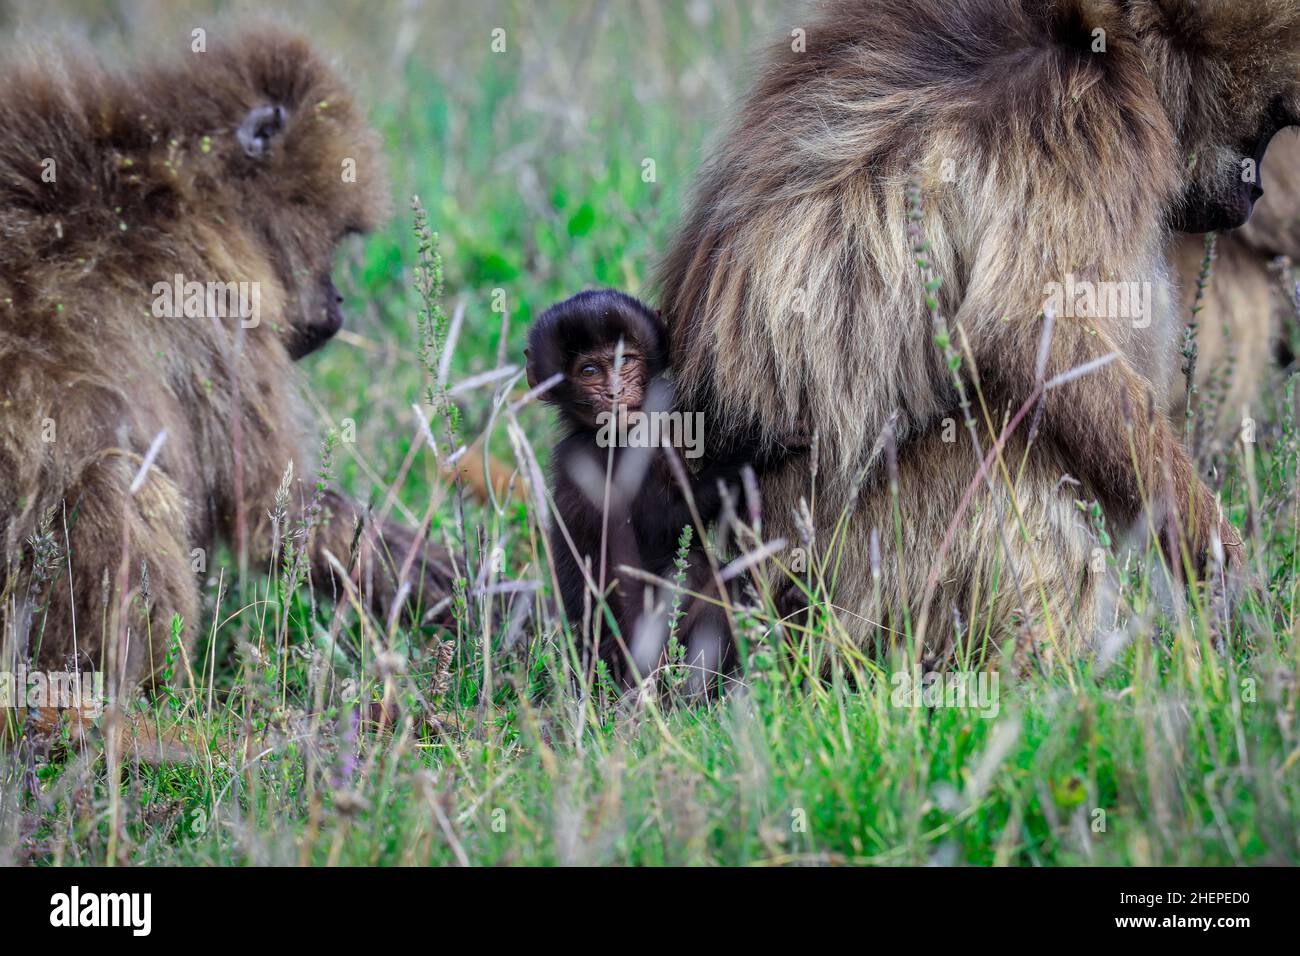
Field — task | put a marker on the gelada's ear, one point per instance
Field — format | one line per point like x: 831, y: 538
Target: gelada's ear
x: 262, y: 125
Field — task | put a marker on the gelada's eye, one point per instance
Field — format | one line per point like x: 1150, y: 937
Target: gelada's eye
x: 589, y: 371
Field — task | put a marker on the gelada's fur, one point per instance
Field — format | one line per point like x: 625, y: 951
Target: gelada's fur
x: 152, y: 178
x: 792, y: 289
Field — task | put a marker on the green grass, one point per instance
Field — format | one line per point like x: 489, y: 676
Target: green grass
x: 530, y: 166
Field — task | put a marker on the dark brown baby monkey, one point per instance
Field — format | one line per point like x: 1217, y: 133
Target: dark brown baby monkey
x: 611, y: 352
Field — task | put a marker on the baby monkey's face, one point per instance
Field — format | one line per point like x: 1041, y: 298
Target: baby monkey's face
x: 600, y: 382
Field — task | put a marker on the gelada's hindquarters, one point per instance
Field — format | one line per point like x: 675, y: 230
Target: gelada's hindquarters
x: 1044, y: 595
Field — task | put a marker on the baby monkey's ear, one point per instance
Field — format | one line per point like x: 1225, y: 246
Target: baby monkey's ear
x: 532, y: 370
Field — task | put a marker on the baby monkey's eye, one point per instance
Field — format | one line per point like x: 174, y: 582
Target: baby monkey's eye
x: 589, y: 371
